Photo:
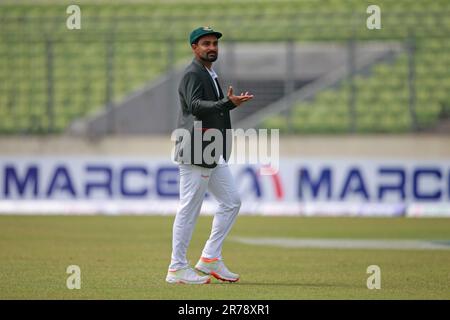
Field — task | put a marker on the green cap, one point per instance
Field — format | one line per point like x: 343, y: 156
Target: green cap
x: 202, y: 31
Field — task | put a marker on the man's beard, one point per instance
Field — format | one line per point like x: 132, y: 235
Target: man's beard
x: 209, y: 58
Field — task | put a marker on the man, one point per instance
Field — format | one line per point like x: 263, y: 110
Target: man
x: 202, y: 99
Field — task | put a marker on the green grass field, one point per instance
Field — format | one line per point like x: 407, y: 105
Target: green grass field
x: 126, y: 257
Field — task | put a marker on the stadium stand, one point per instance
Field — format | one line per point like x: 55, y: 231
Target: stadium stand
x: 50, y: 76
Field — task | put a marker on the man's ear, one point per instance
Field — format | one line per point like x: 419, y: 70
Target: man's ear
x: 194, y: 46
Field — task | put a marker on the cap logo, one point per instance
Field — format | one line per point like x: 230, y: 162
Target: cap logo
x: 207, y: 28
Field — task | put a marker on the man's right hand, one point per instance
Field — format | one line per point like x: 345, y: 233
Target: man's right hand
x: 238, y: 100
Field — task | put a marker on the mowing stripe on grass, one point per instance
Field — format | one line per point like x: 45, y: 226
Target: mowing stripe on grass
x: 347, y: 243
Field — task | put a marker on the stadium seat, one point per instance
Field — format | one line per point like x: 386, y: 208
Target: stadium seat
x: 80, y: 58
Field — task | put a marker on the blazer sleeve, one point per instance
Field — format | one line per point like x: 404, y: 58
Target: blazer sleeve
x: 191, y: 90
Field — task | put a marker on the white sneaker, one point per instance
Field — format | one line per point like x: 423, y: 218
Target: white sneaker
x: 186, y: 276
x: 217, y: 269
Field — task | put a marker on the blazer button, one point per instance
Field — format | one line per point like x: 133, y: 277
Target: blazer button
x: 221, y: 113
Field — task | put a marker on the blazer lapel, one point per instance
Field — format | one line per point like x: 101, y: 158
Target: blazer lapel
x: 221, y: 96
x: 210, y: 80
x: 213, y: 85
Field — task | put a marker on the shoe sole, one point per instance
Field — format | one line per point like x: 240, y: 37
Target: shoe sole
x: 187, y: 282
x: 217, y: 276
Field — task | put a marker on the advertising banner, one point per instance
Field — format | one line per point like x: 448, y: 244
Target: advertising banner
x: 300, y: 186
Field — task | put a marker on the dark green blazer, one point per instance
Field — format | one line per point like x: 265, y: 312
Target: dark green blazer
x: 199, y: 102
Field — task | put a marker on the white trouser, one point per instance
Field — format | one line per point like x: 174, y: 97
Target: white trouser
x: 194, y: 182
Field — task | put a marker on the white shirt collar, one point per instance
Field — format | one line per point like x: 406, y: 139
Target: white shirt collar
x: 212, y: 73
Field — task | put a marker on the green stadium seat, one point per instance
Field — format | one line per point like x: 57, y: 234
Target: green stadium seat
x: 77, y: 62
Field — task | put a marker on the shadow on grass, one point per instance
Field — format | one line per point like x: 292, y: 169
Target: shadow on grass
x: 290, y: 284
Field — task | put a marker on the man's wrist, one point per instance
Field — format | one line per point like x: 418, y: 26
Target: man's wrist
x: 230, y: 104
